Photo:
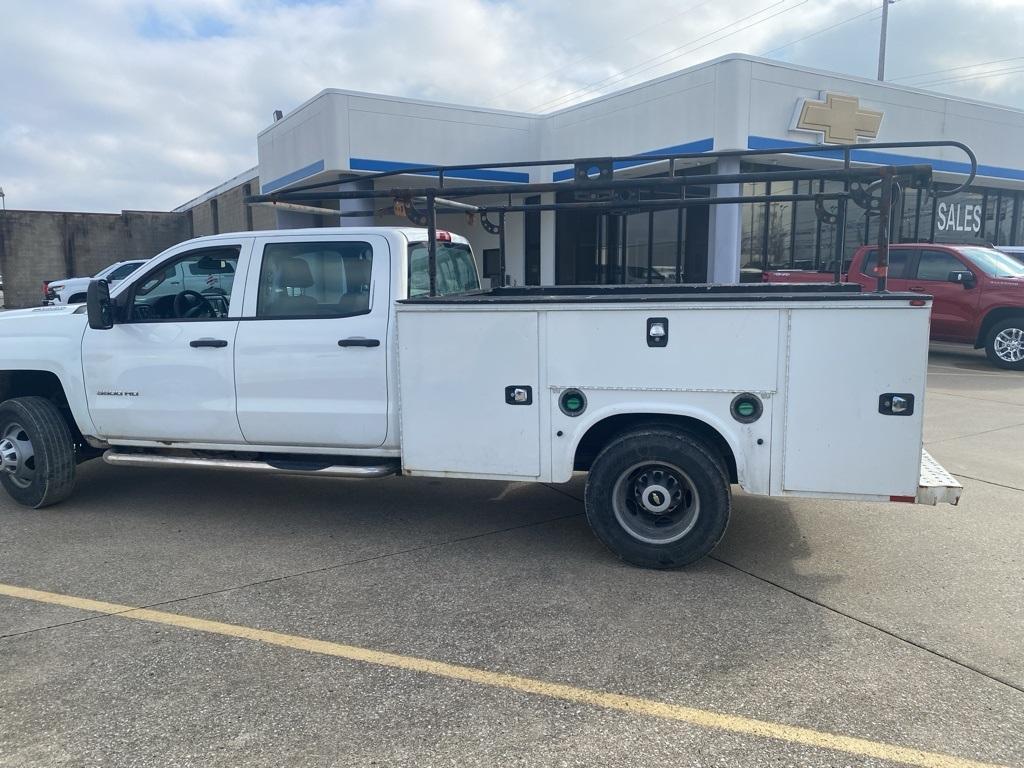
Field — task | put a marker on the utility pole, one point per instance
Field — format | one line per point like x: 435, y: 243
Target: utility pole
x: 881, y: 41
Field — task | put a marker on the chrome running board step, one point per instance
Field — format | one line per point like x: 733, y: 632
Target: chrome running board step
x: 125, y: 459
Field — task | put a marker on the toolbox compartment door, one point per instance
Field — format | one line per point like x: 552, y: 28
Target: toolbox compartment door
x: 841, y: 362
x: 454, y: 370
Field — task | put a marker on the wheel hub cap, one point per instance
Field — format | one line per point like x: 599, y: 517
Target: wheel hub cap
x: 655, y: 503
x: 1009, y: 345
x: 656, y: 498
x: 17, y: 457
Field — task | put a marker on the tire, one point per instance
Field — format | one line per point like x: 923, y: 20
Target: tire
x: 1004, y: 344
x: 642, y: 472
x: 78, y: 298
x: 37, y: 452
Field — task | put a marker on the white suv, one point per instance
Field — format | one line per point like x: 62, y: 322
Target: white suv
x: 72, y: 290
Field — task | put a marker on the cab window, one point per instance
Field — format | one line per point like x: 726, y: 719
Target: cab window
x: 195, y: 286
x: 123, y: 271
x: 936, y: 265
x: 899, y: 258
x: 456, y: 269
x: 329, y: 279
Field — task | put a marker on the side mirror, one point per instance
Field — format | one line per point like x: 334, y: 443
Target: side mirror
x: 101, y: 312
x: 964, y: 277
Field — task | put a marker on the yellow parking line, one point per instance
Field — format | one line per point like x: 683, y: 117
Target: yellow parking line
x: 632, y: 704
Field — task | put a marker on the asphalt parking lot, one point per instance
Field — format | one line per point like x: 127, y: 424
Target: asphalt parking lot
x: 429, y: 623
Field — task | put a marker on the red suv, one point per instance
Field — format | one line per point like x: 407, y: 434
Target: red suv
x: 978, y: 292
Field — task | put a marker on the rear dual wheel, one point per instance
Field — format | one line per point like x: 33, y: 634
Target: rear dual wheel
x: 658, y: 498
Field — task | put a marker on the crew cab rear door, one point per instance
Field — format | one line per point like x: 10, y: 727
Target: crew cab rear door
x: 311, y: 349
x: 901, y: 265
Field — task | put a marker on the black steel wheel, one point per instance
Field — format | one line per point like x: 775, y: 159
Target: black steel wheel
x: 658, y: 498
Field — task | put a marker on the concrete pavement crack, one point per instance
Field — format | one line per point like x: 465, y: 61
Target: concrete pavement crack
x: 993, y: 676
x: 988, y: 482
x: 973, y: 397
x: 973, y: 434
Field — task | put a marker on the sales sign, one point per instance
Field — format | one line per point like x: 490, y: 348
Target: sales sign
x: 958, y: 217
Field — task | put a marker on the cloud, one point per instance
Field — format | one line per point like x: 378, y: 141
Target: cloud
x: 109, y: 104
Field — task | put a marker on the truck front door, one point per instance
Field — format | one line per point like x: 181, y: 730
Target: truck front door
x: 311, y: 351
x: 165, y: 370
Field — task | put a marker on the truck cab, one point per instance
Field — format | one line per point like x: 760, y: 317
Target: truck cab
x: 205, y: 344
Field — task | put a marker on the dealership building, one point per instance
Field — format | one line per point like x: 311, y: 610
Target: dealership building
x: 734, y: 102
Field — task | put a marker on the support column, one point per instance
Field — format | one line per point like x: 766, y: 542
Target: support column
x: 364, y: 205
x: 547, y: 242
x: 725, y: 230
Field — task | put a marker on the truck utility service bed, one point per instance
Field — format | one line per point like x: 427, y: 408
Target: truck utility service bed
x: 822, y: 362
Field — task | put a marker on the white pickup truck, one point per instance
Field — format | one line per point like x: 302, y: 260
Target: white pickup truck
x: 322, y: 355
x: 72, y: 290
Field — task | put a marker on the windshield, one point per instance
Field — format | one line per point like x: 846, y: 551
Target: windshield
x: 994, y: 263
x: 456, y: 269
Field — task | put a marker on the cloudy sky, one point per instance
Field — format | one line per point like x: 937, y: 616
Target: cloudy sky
x: 107, y: 105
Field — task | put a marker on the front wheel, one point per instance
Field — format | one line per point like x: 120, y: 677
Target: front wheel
x: 658, y: 499
x: 1005, y: 344
x: 37, y: 452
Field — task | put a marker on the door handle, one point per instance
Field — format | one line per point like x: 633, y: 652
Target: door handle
x: 359, y: 342
x: 208, y: 343
x: 916, y: 289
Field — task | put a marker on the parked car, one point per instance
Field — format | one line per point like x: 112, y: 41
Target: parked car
x: 329, y: 357
x: 978, y: 292
x: 72, y: 290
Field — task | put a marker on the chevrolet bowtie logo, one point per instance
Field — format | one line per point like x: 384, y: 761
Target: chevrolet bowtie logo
x: 839, y: 119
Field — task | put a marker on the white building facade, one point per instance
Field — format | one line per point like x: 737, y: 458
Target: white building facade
x: 735, y: 102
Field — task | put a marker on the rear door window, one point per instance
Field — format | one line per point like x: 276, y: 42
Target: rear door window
x: 899, y: 261
x: 308, y: 279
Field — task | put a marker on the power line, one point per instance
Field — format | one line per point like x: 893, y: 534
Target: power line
x: 585, y: 56
x: 995, y: 72
x: 820, y: 32
x: 639, y: 68
x: 954, y: 69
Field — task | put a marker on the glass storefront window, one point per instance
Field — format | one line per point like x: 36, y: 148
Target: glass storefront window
x: 637, y: 237
x: 905, y: 231
x: 999, y: 217
x: 664, y: 236
x: 780, y: 227
x: 805, y: 230
x: 752, y: 236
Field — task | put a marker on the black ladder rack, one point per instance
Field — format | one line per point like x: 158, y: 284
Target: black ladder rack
x: 871, y: 187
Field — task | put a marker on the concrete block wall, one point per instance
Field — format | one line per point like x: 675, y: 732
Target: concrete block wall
x: 36, y: 246
x: 231, y: 213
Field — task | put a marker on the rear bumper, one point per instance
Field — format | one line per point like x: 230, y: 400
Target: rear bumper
x: 936, y: 485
